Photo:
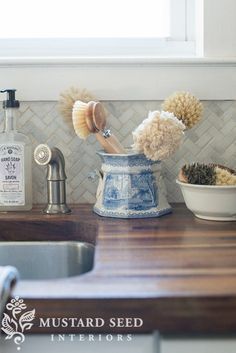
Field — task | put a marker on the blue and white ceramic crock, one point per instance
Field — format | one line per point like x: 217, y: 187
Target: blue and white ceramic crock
x: 130, y: 186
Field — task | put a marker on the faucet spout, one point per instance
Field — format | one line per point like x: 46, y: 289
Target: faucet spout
x: 56, y: 178
x: 56, y: 166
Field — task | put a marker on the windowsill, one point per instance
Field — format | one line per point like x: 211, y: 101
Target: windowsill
x: 120, y: 78
x: 109, y: 60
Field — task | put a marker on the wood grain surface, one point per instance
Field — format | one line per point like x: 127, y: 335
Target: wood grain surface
x: 177, y: 273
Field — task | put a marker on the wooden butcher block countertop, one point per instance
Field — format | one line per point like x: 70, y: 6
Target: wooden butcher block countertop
x: 177, y: 273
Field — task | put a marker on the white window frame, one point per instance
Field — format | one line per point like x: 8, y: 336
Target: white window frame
x: 182, y: 26
x: 211, y: 76
x: 180, y: 42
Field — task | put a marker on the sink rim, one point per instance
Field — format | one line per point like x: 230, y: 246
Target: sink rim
x: 57, y: 243
x: 48, y: 242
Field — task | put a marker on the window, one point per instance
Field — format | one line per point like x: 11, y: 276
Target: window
x: 97, y: 28
x: 41, y: 68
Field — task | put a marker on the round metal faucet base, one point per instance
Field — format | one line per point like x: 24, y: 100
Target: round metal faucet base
x: 57, y: 209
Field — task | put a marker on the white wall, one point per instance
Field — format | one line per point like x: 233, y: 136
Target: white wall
x: 220, y: 28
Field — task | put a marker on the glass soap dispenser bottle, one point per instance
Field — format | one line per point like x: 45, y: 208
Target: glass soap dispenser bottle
x: 15, y: 160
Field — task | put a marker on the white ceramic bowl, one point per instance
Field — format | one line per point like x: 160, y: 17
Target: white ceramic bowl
x: 217, y: 203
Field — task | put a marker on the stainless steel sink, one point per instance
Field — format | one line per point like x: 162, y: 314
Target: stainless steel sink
x: 47, y: 260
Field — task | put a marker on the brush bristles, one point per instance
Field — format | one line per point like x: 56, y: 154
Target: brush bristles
x: 79, y: 119
x: 68, y: 98
x: 185, y: 107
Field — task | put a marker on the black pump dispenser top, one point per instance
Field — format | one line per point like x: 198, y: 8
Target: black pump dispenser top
x: 10, y: 102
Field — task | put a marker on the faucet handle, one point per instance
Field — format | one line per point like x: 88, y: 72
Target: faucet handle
x: 42, y: 154
x: 94, y: 175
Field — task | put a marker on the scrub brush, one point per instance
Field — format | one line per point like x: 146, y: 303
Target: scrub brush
x: 185, y: 107
x: 207, y: 174
x: 68, y: 98
x: 158, y: 136
x: 90, y: 118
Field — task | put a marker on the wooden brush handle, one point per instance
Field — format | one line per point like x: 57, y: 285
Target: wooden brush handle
x: 110, y: 144
x: 115, y: 144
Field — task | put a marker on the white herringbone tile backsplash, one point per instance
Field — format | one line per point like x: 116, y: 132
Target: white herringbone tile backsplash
x: 212, y: 140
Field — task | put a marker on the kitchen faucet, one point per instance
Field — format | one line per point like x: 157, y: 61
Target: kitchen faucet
x: 56, y: 178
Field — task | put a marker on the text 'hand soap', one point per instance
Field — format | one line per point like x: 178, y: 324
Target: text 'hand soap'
x: 15, y: 160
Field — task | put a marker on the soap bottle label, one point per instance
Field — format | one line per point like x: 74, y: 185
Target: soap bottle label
x: 12, y: 186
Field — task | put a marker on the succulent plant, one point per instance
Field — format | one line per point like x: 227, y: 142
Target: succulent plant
x: 199, y: 173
